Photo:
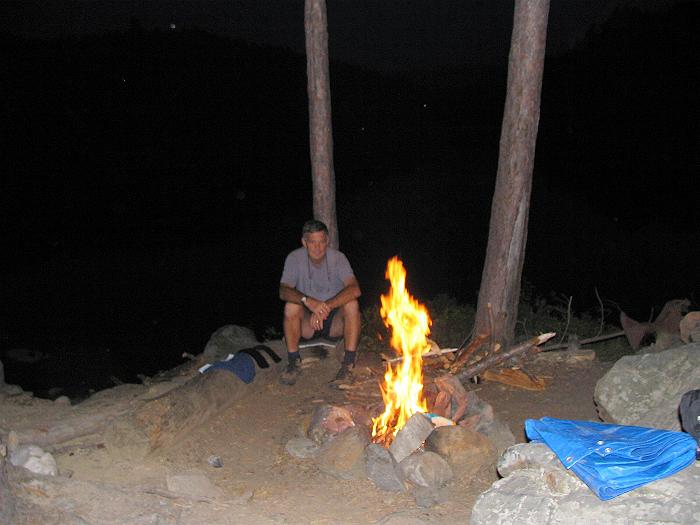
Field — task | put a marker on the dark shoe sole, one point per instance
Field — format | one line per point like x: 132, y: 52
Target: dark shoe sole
x: 289, y: 378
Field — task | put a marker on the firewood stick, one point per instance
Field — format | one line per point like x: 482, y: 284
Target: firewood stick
x: 585, y: 341
x: 363, y: 393
x: 356, y: 386
x: 427, y: 354
x: 519, y: 349
x: 468, y: 352
x: 369, y: 398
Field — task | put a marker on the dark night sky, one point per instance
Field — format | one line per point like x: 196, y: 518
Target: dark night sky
x: 154, y: 179
x: 383, y: 34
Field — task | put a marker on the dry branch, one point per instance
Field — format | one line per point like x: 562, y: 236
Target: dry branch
x: 585, y: 341
x: 494, y: 359
x: 432, y: 353
x: 468, y: 352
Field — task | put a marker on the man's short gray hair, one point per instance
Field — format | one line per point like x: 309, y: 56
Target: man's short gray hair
x: 313, y: 226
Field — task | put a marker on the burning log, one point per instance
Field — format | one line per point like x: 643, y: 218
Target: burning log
x: 492, y: 360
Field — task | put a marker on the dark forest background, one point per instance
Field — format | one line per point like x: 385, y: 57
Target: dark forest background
x: 153, y: 183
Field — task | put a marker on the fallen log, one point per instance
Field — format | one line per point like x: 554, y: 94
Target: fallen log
x: 181, y: 410
x: 74, y: 426
x: 518, y: 350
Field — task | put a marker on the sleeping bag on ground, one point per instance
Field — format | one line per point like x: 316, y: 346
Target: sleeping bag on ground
x: 613, y: 459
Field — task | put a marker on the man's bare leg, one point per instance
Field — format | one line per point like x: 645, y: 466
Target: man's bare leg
x: 294, y: 322
x: 351, y: 325
x: 349, y: 315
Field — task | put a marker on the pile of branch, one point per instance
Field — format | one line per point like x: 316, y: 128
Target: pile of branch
x: 496, y: 356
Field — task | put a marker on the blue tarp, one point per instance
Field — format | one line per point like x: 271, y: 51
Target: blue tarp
x: 240, y: 364
x: 613, y: 459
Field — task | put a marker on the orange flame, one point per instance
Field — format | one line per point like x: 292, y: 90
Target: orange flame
x: 403, y: 386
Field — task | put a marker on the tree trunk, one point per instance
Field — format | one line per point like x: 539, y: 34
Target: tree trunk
x: 505, y: 253
x: 320, y: 126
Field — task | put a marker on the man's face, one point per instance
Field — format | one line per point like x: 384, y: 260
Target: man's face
x: 316, y: 244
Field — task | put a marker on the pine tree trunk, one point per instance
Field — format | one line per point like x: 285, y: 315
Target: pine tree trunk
x: 505, y: 253
x: 320, y: 126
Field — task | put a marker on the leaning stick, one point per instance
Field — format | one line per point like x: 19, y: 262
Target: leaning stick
x: 468, y: 352
x: 585, y: 341
x: 492, y: 360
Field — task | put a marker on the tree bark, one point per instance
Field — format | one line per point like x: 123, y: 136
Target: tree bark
x: 164, y: 419
x: 505, y: 252
x: 320, y: 125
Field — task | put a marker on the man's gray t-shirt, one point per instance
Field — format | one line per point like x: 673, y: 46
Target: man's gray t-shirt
x: 320, y: 282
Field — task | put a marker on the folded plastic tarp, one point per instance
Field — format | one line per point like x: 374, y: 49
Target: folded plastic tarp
x: 613, y: 459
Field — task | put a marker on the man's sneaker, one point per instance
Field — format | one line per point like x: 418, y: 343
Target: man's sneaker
x: 344, y: 373
x: 291, y: 373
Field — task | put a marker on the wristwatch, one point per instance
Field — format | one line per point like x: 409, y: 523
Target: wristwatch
x: 303, y: 300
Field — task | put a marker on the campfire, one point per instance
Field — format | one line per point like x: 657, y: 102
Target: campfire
x: 409, y: 323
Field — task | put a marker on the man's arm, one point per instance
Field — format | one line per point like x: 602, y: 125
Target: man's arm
x: 289, y: 294
x: 349, y: 293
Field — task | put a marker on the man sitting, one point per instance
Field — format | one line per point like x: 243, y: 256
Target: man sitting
x: 320, y: 292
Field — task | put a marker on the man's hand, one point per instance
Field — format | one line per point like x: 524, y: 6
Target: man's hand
x: 316, y: 322
x: 318, y: 308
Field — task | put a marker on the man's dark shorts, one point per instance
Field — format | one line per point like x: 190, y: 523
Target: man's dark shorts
x: 325, y: 332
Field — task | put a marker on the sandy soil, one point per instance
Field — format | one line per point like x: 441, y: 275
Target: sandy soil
x: 261, y: 482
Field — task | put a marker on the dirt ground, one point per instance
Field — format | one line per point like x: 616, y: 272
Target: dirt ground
x: 261, y: 482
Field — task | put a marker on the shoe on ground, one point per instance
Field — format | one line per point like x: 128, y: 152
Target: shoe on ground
x: 290, y: 374
x: 345, y: 372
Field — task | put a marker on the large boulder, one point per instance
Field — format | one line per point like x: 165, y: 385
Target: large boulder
x: 538, y: 490
x: 645, y: 390
x: 229, y: 339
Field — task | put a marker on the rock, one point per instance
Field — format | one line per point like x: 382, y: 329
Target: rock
x: 62, y: 400
x: 301, y: 447
x: 193, y: 485
x: 689, y: 328
x: 360, y: 415
x: 411, y: 437
x: 25, y: 355
x: 215, y: 461
x: 328, y: 421
x: 34, y: 459
x: 467, y: 451
x: 428, y: 497
x: 343, y: 456
x: 383, y: 469
x: 11, y: 390
x: 426, y: 469
x: 538, y: 491
x: 499, y: 435
x: 228, y: 340
x: 479, y: 414
x: 539, y: 456
x: 2, y: 374
x: 645, y: 390
x: 401, y: 518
